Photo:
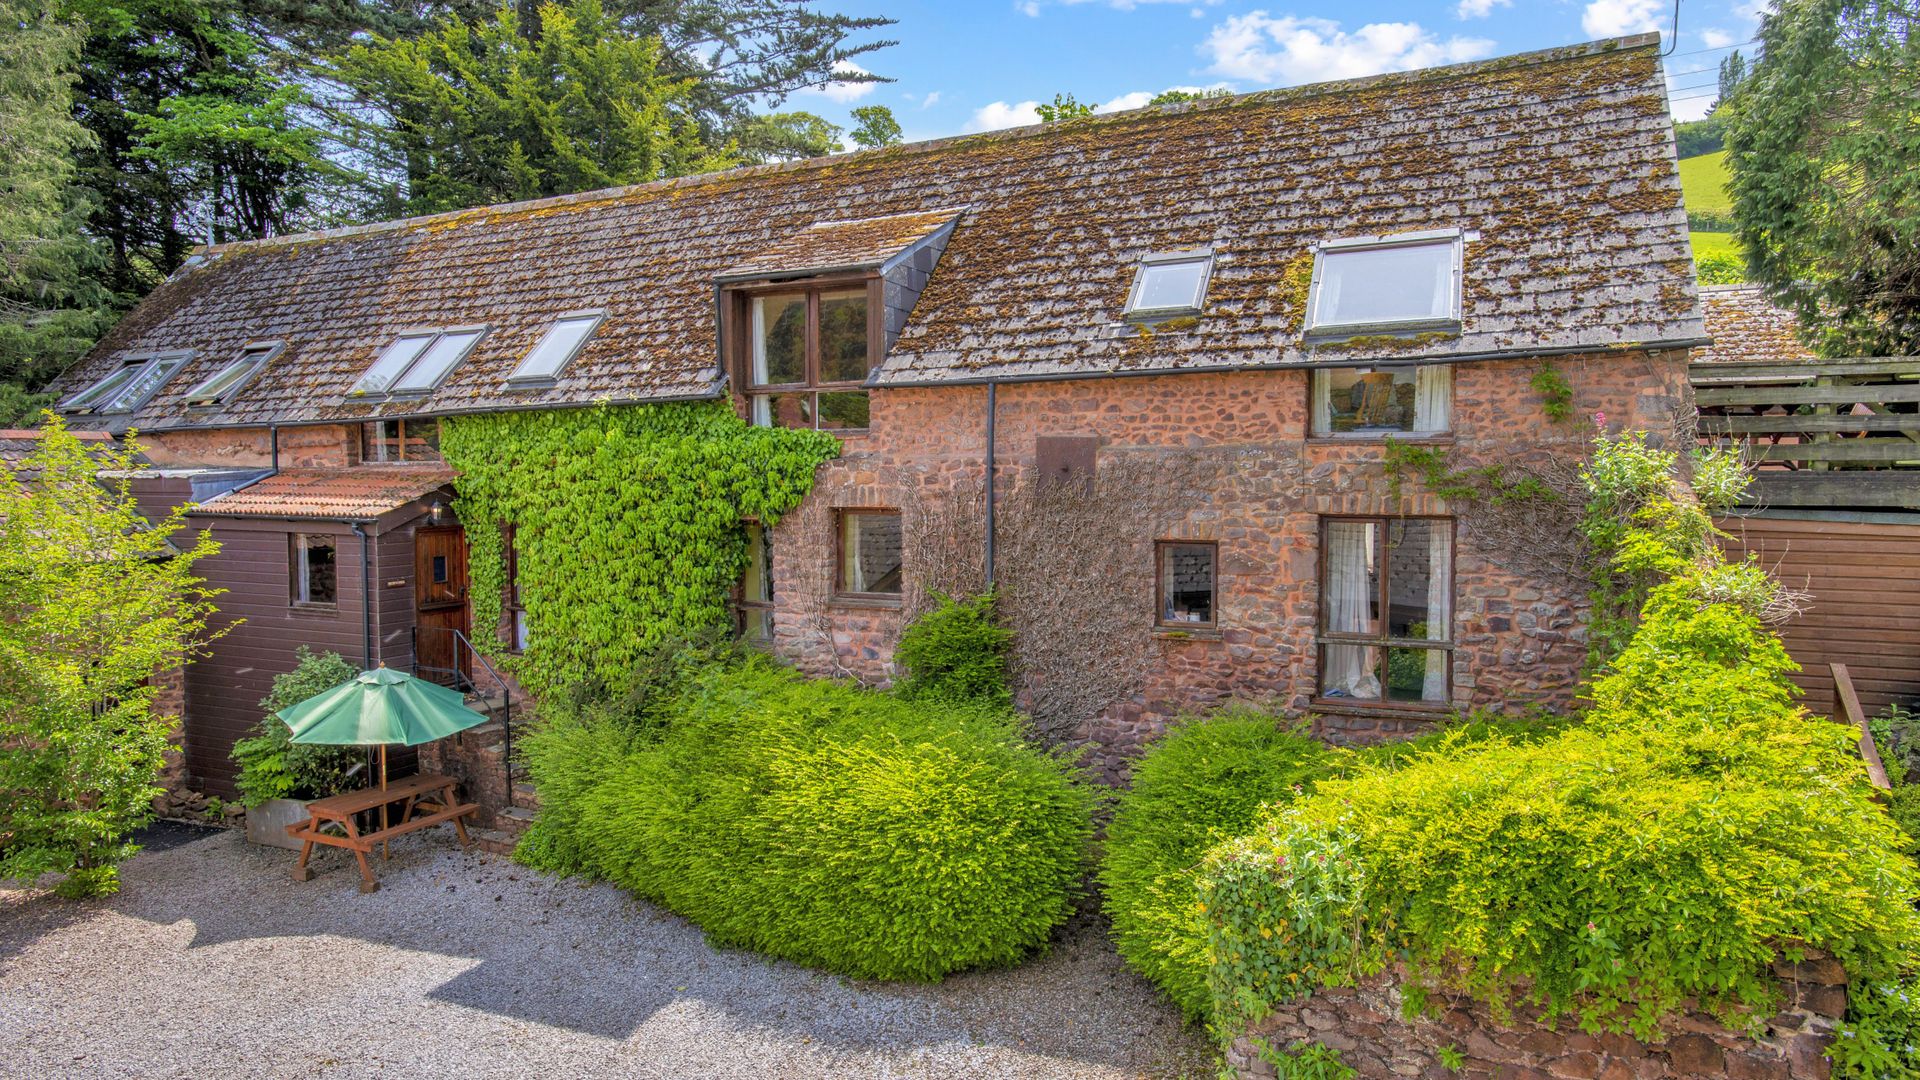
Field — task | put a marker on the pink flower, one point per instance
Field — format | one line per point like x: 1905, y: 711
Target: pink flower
x: 1600, y: 420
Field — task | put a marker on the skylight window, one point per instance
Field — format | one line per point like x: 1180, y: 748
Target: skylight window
x: 129, y: 387
x: 418, y: 361
x: 222, y: 385
x: 1398, y: 282
x: 556, y: 348
x: 1170, y: 285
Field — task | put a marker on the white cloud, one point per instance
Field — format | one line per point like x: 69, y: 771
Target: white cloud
x: 843, y: 92
x: 1029, y: 8
x: 1002, y: 115
x: 1611, y: 18
x: 932, y: 99
x: 1716, y: 38
x: 1135, y: 100
x: 1256, y: 47
x: 1478, y: 9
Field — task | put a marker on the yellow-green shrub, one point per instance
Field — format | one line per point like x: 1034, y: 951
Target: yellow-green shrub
x: 822, y: 823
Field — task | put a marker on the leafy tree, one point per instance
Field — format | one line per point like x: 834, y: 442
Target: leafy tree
x: 1733, y: 71
x: 787, y: 136
x: 1181, y: 97
x: 486, y: 112
x: 874, y: 125
x: 272, y: 765
x: 49, y: 308
x: 1063, y: 107
x: 1720, y: 268
x: 1823, y: 150
x: 1695, y: 137
x: 93, y: 604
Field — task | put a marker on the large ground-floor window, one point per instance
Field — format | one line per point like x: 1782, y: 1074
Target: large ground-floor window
x: 1386, y: 609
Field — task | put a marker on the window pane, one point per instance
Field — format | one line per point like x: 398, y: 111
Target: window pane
x: 783, y: 410
x: 100, y: 391
x: 1171, y: 286
x: 420, y: 440
x: 1399, y: 399
x: 391, y: 363
x: 1350, y: 596
x: 1419, y: 560
x: 520, y: 631
x: 381, y: 441
x: 433, y: 365
x: 779, y: 339
x: 1405, y: 283
x: 844, y: 411
x: 314, y: 574
x: 227, y: 378
x: 1348, y: 671
x: 145, y: 384
x: 870, y: 552
x: 1186, y: 583
x: 756, y: 583
x: 555, y: 348
x: 843, y: 335
x: 1417, y: 675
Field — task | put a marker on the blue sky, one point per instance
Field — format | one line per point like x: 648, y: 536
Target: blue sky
x: 981, y: 64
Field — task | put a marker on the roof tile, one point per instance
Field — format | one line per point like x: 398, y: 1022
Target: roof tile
x: 360, y: 493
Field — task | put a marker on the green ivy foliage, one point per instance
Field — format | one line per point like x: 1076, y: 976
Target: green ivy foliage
x: 817, y: 821
x: 626, y: 524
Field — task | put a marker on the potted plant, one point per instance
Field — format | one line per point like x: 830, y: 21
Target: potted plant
x: 278, y: 776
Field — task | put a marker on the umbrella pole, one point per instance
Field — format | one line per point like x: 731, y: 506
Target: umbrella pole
x: 386, y: 846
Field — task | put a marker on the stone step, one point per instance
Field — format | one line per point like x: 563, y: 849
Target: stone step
x: 489, y: 731
x: 525, y: 795
x: 495, y: 841
x: 514, y: 819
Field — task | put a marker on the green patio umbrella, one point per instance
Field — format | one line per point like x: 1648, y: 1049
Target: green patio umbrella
x: 379, y: 707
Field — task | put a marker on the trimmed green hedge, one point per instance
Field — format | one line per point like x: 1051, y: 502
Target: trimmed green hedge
x: 1202, y: 783
x: 819, y: 822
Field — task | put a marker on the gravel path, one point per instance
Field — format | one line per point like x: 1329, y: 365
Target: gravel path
x: 212, y: 962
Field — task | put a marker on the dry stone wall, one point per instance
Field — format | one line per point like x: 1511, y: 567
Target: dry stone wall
x: 1365, y: 1024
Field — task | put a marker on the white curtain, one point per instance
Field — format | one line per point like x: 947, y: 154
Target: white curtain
x: 1433, y: 398
x: 1350, y: 668
x: 1322, y: 401
x: 1439, y: 610
x: 855, y: 575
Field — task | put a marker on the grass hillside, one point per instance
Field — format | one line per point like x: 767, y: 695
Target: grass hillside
x: 1713, y: 243
x: 1704, y: 179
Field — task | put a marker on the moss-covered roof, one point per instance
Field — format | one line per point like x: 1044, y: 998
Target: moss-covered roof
x: 1745, y: 325
x: 1558, y: 166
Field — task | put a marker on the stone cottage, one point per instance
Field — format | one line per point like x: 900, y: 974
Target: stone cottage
x: 1144, y: 371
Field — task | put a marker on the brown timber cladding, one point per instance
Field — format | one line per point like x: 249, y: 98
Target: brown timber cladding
x: 1864, y: 611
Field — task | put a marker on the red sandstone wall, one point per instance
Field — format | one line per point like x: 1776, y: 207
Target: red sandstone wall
x: 309, y: 446
x: 1367, y: 1026
x: 1265, y: 485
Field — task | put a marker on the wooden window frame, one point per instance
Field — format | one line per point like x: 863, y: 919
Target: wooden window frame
x: 739, y: 332
x: 510, y: 603
x: 1442, y: 435
x: 1160, y: 586
x: 1384, y: 641
x: 840, y: 591
x: 367, y: 439
x: 297, y: 573
x: 742, y: 605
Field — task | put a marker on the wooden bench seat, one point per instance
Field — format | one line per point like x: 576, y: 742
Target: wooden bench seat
x: 427, y: 792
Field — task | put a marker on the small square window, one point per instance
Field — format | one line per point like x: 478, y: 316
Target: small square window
x: 1189, y: 584
x: 224, y: 385
x: 1376, y: 401
x: 1170, y: 285
x: 556, y: 348
x: 314, y: 571
x: 1410, y: 282
x: 389, y: 441
x: 870, y: 553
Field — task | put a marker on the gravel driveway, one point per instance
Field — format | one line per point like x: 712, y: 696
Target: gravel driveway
x: 213, y: 962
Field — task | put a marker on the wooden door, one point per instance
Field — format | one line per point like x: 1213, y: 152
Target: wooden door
x: 440, y: 604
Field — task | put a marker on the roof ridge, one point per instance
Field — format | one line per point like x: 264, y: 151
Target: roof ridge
x: 1417, y: 76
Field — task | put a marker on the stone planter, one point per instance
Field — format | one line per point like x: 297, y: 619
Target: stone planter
x: 267, y: 823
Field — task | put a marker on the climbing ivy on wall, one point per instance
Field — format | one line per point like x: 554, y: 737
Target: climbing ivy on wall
x: 626, y: 524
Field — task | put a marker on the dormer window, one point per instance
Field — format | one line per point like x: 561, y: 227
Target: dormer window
x: 556, y: 348
x: 128, y: 387
x: 1386, y: 284
x: 419, y: 361
x: 806, y: 349
x: 224, y: 385
x: 1170, y: 286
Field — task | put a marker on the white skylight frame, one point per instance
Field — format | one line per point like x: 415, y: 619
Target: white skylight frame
x: 129, y: 386
x: 559, y: 353
x: 234, y: 376
x: 1162, y: 261
x: 418, y: 361
x: 1452, y: 240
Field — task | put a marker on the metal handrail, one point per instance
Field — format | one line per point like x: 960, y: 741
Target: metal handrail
x: 461, y: 677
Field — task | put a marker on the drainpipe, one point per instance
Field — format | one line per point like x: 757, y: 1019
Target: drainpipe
x: 273, y: 435
x: 366, y: 592
x: 992, y: 408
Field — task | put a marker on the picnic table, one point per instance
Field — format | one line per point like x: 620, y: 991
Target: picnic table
x: 429, y: 794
